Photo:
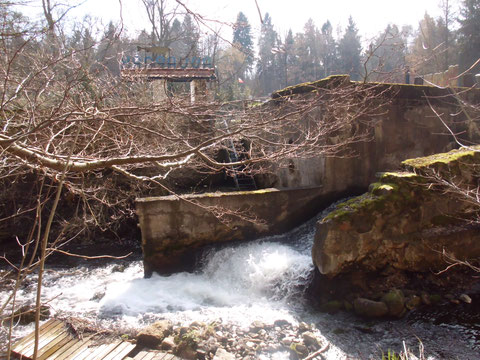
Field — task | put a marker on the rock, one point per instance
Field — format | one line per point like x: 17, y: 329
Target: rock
x: 222, y: 354
x: 256, y: 326
x: 395, y: 302
x: 413, y: 302
x: 281, y: 323
x: 168, y: 343
x: 310, y: 339
x: 435, y: 299
x: 119, y: 268
x: 347, y: 306
x: 303, y: 326
x: 183, y: 330
x: 370, y: 308
x: 197, y: 325
x: 98, y: 296
x: 153, y: 335
x: 466, y: 299
x: 287, y: 340
x: 300, y: 349
x: 201, y: 354
x: 425, y: 298
x: 332, y: 307
x: 26, y: 314
x: 187, y: 345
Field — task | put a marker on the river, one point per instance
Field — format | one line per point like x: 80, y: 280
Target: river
x: 236, y: 285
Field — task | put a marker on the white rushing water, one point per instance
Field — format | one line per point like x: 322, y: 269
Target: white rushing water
x: 236, y: 285
x: 239, y: 284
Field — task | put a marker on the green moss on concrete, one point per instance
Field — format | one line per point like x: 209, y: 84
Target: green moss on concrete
x: 452, y: 158
x: 396, y: 190
x: 307, y: 87
x: 380, y: 188
x: 404, y: 190
x: 366, y: 204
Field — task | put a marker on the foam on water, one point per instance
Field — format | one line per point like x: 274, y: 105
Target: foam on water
x: 237, y: 284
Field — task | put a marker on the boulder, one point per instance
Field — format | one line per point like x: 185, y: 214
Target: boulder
x: 395, y: 302
x: 26, y: 314
x: 370, y: 308
x: 153, y: 335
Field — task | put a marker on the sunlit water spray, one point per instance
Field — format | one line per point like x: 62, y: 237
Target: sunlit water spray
x: 262, y: 280
x: 239, y: 284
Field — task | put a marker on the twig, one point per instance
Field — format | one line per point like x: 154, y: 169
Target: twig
x: 90, y: 257
x: 318, y: 352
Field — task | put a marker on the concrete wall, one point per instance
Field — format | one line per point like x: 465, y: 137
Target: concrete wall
x: 405, y: 127
x: 173, y: 228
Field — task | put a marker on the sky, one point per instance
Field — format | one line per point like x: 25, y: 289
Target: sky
x: 371, y: 16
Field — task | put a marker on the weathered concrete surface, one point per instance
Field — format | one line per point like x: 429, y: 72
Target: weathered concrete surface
x: 405, y: 221
x: 173, y: 228
x: 401, y: 126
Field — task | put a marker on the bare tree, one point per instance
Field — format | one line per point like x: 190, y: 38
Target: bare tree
x: 89, y: 142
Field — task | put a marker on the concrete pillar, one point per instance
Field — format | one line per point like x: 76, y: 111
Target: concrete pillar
x: 159, y: 90
x: 198, y: 90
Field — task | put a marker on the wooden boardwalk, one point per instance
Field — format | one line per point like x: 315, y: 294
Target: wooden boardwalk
x: 57, y: 343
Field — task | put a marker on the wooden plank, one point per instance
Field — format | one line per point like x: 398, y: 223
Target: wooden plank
x: 149, y: 356
x: 127, y: 350
x: 160, y: 356
x: 120, y: 351
x: 83, y: 352
x: 68, y: 345
x: 19, y: 346
x: 102, y: 351
x: 51, y: 334
x: 171, y: 357
x: 44, y: 339
x: 141, y: 355
x: 88, y: 351
x: 75, y: 349
x: 54, y: 345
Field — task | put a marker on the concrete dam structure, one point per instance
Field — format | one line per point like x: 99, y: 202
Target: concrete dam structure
x: 405, y: 125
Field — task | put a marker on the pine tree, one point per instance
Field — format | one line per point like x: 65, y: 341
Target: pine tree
x: 190, y: 37
x: 328, y: 52
x: 268, y: 64
x: 290, y: 59
x: 469, y: 34
x: 242, y: 37
x: 349, y: 51
x: 312, y: 69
